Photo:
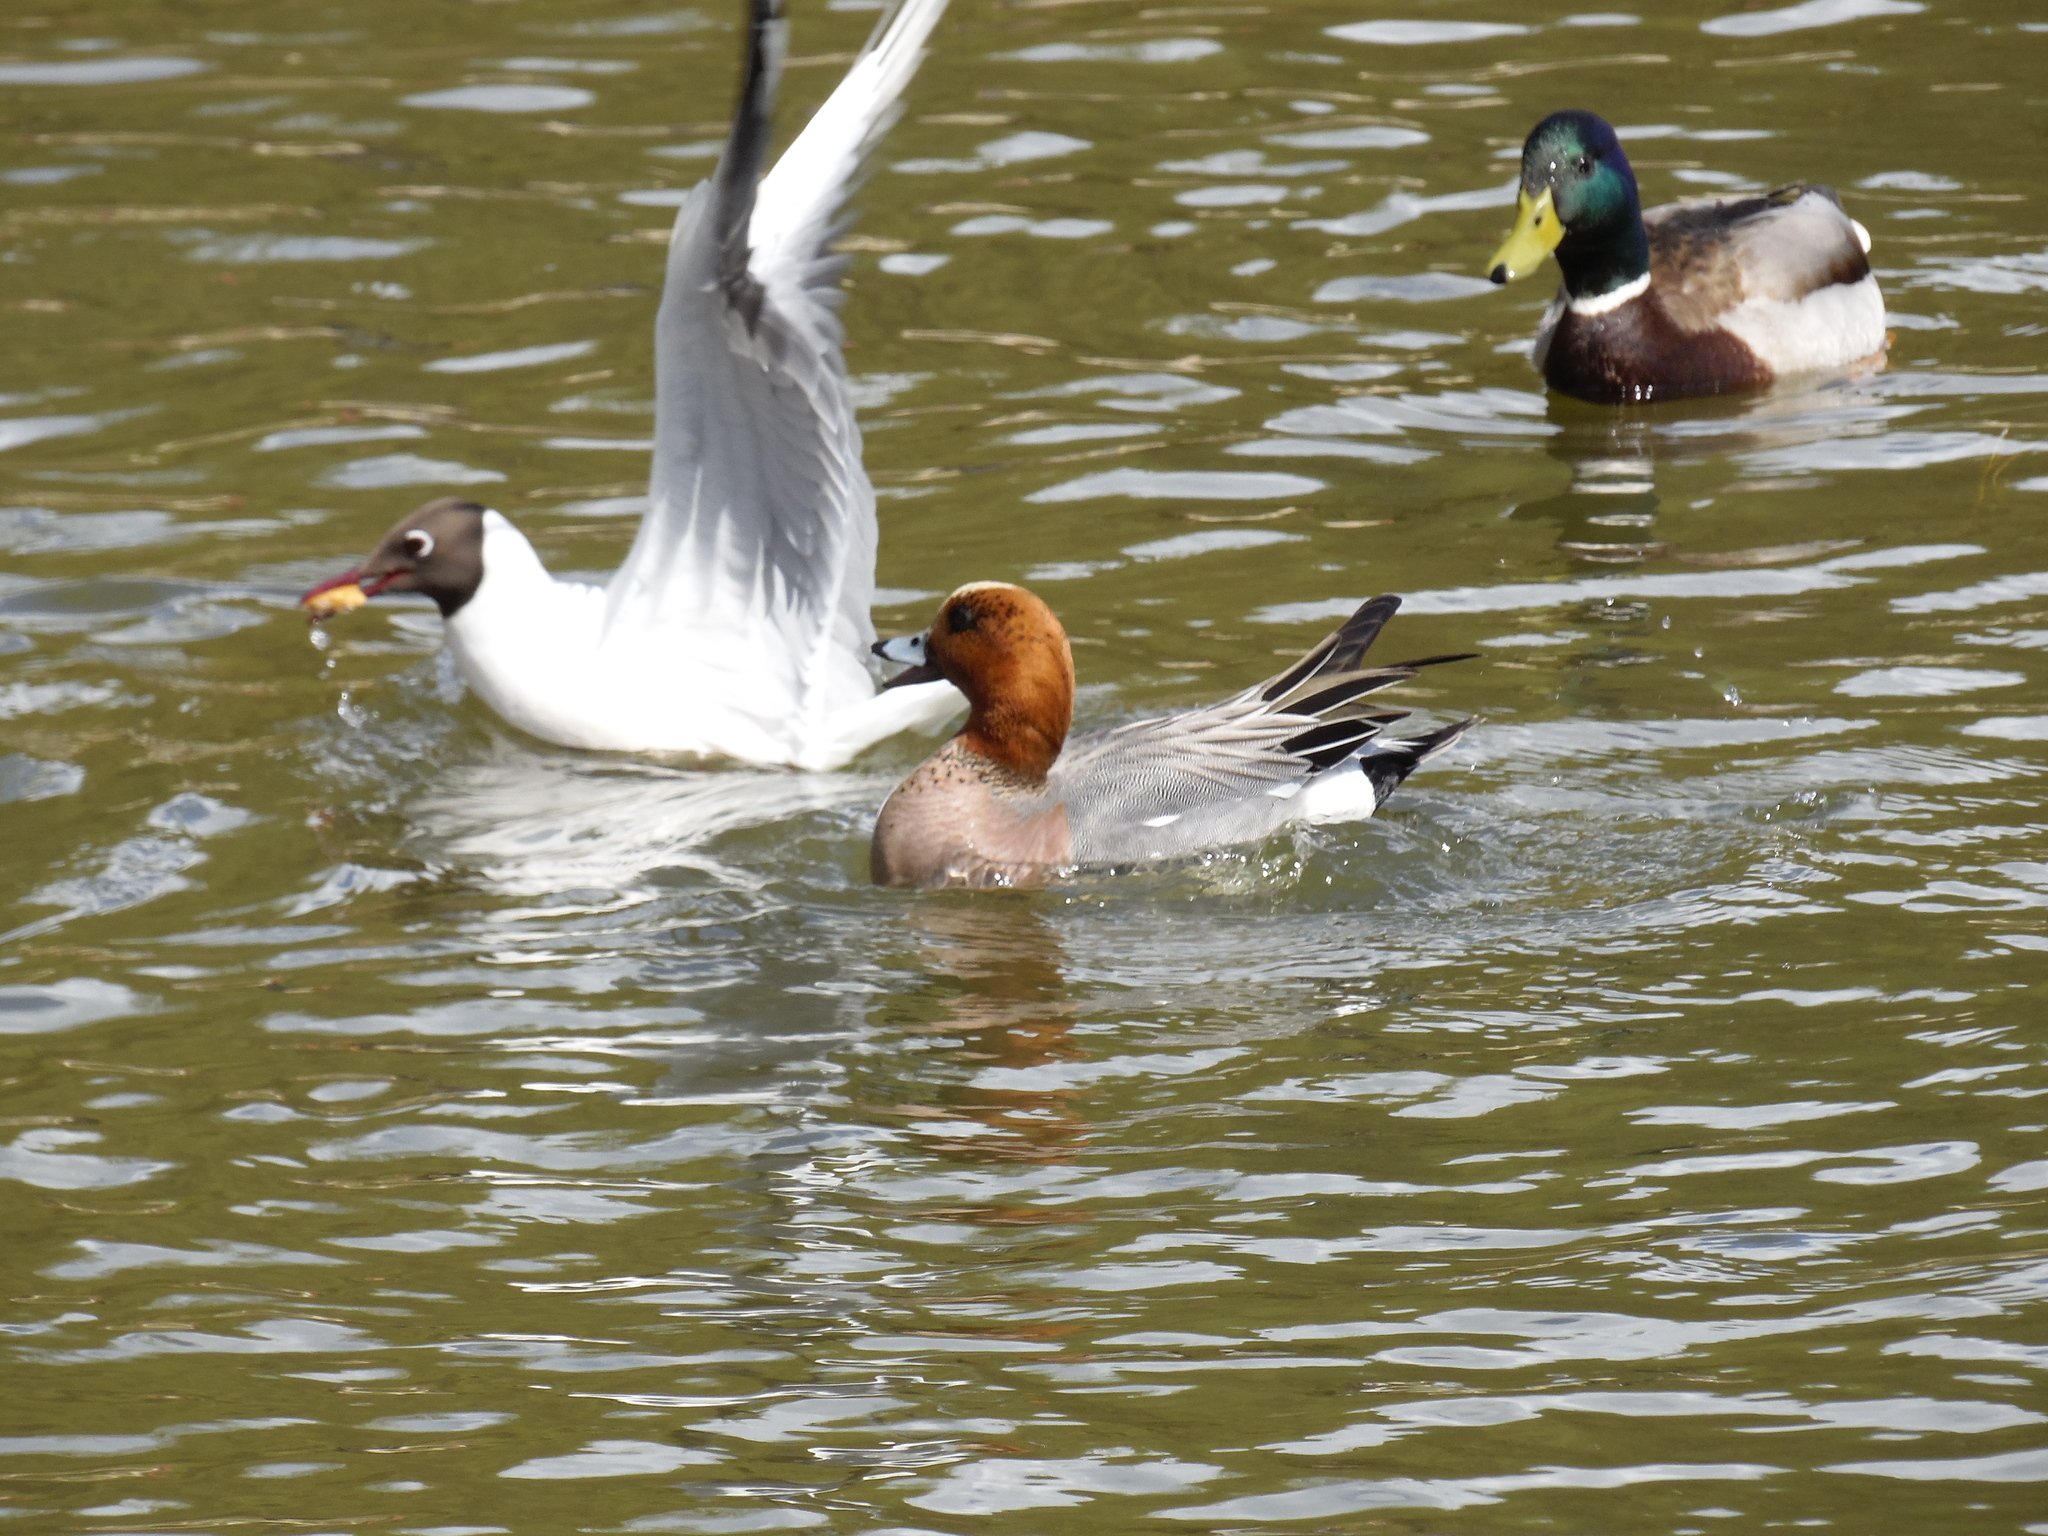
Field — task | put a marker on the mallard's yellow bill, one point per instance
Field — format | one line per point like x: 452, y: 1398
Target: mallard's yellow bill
x: 1535, y: 235
x: 323, y: 603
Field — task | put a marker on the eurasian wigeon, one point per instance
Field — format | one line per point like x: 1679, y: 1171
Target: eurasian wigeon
x: 1011, y: 801
x: 738, y: 625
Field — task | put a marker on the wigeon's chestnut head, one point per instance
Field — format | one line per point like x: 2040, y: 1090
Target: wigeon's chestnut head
x: 1005, y: 649
x: 1011, y: 801
x: 438, y: 551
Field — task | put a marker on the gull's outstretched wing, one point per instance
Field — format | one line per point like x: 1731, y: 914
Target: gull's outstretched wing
x: 756, y: 558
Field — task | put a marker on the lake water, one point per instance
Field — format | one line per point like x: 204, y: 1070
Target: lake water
x: 1643, y: 1127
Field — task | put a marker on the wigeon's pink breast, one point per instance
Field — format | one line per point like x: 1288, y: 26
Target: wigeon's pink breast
x: 961, y: 819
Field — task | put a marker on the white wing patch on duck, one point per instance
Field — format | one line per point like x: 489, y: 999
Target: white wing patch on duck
x: 1342, y: 794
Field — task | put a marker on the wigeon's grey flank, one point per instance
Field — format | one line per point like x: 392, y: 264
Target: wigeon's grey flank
x: 1011, y: 801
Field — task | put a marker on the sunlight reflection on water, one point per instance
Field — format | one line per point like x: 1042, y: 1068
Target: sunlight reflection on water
x: 1652, y: 1075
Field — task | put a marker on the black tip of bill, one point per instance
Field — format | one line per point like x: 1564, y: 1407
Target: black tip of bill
x: 1499, y: 274
x: 923, y: 672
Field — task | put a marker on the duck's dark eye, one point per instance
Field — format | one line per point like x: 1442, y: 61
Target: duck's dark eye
x: 1585, y: 165
x: 419, y: 543
x: 962, y: 618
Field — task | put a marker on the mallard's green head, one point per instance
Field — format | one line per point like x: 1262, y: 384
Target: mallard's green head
x: 1578, y: 198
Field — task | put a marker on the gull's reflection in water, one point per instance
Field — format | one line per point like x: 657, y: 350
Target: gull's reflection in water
x: 994, y: 999
x: 534, y: 822
x: 622, y: 880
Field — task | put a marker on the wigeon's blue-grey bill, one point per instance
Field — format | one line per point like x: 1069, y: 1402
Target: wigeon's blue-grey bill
x: 909, y: 652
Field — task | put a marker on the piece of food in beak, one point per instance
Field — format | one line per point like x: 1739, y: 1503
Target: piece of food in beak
x: 332, y: 597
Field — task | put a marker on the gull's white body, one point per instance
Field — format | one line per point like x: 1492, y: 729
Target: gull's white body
x: 738, y: 625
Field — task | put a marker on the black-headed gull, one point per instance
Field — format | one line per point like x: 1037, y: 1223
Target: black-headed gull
x: 739, y: 625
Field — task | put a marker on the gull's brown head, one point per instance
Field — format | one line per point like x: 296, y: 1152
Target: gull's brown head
x: 438, y: 551
x: 1004, y: 648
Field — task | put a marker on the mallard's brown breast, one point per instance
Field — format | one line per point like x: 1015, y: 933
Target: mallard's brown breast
x: 1638, y: 354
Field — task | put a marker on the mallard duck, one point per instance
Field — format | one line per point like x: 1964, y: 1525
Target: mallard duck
x: 1697, y: 297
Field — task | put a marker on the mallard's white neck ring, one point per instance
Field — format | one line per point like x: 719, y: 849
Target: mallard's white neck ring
x: 1612, y: 300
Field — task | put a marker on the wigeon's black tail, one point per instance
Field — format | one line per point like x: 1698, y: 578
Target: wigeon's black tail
x: 1390, y: 759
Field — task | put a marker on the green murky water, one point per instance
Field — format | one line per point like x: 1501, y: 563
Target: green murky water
x: 413, y: 1128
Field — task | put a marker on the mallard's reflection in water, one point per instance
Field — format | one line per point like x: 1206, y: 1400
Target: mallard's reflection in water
x: 994, y: 999
x: 1776, y: 440
x: 1607, y: 514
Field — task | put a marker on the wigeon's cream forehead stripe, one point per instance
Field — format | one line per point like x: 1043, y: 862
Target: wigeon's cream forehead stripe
x: 983, y: 586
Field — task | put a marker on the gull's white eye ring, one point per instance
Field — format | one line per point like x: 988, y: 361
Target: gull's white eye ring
x: 419, y: 543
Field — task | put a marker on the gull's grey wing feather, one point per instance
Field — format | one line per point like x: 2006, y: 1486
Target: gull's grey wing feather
x: 758, y: 548
x: 794, y: 219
